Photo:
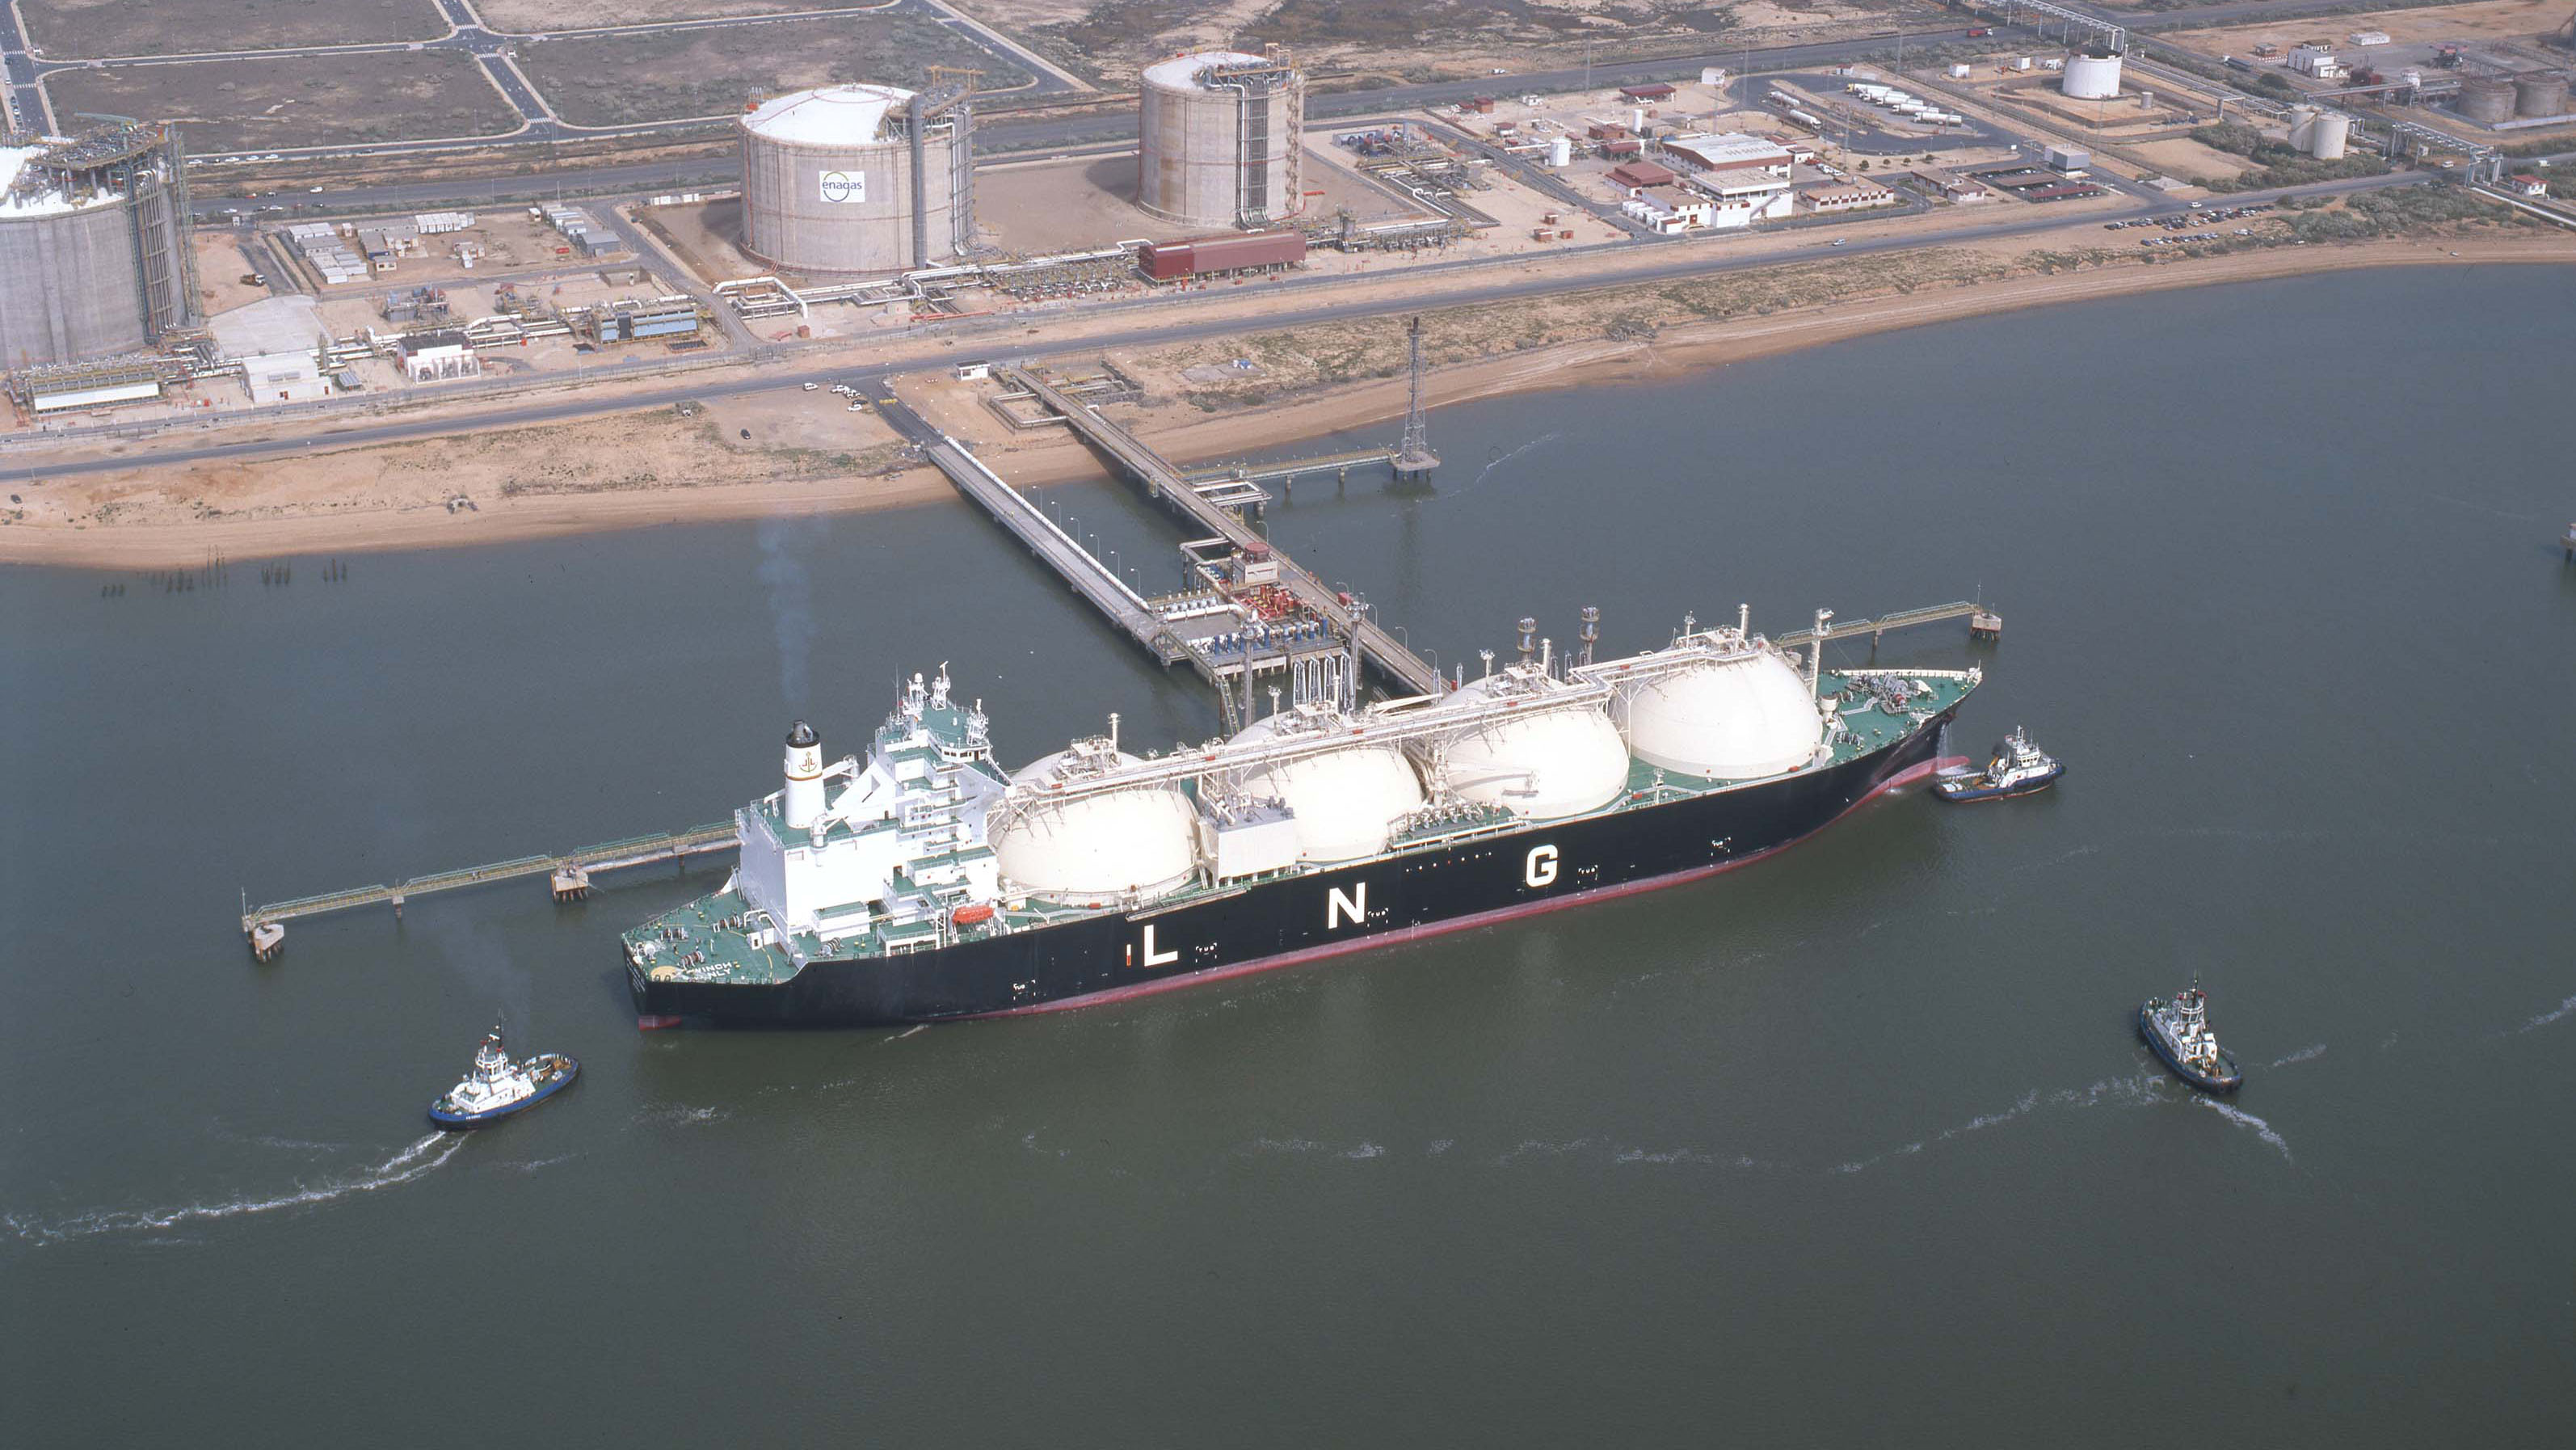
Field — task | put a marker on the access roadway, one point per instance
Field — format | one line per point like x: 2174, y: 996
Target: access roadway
x: 1164, y: 321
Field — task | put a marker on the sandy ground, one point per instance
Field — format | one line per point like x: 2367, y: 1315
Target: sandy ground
x: 2490, y: 19
x: 808, y: 454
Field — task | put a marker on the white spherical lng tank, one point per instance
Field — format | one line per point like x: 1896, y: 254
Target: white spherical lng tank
x: 2092, y: 75
x: 1549, y: 762
x: 1722, y: 720
x: 1344, y: 800
x: 1097, y: 848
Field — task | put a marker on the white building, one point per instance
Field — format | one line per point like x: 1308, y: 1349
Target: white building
x: 284, y: 377
x: 1730, y: 151
x: 1741, y: 198
x: 2316, y: 60
x: 1669, y: 211
x: 433, y: 357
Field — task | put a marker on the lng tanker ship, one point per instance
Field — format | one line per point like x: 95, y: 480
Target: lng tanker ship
x: 924, y: 882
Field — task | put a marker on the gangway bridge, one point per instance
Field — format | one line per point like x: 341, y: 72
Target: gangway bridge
x: 1190, y: 498
x: 1982, y: 621
x: 568, y: 874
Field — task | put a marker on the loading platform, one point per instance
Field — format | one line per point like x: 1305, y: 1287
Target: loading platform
x: 1175, y: 490
x: 568, y: 874
x: 1287, y: 470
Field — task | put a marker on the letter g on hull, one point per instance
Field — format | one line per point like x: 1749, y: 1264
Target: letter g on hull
x: 1540, y: 869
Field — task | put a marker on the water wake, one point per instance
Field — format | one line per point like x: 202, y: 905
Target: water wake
x: 2309, y: 1053
x: 1540, y: 441
x: 2545, y: 1018
x: 412, y: 1162
x: 2244, y: 1119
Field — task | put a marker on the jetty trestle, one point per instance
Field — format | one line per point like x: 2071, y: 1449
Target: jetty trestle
x: 569, y: 877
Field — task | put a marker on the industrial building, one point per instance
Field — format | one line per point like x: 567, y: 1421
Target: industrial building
x: 859, y: 179
x: 94, y: 255
x: 1670, y: 211
x: 1221, y: 139
x: 1846, y: 195
x: 1730, y: 151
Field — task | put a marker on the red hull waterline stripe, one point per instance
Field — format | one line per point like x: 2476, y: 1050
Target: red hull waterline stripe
x: 1460, y: 923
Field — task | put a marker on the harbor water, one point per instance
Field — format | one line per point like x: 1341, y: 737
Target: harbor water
x: 1857, y: 1145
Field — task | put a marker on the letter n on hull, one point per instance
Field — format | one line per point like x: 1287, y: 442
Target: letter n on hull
x: 1351, y: 906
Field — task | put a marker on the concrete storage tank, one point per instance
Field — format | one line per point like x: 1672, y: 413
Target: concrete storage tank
x: 1345, y: 799
x: 859, y: 178
x: 2486, y: 99
x: 2540, y: 95
x: 94, y: 255
x: 2326, y: 139
x: 1546, y: 764
x: 1101, y: 847
x: 1738, y: 719
x: 2303, y: 126
x: 2092, y: 75
x: 1220, y: 139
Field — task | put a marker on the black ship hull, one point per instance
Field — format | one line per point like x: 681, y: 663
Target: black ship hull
x: 1281, y: 922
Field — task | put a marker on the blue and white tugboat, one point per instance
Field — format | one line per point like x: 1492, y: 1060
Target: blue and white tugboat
x: 498, y: 1087
x: 2179, y: 1032
x: 2018, y: 768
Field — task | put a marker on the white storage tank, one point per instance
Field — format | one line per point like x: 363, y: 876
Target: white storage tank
x: 1723, y: 720
x: 2092, y: 75
x: 1547, y: 763
x: 1095, y: 849
x: 1560, y: 152
x: 1219, y: 139
x: 836, y: 180
x: 1344, y: 799
x: 2326, y: 139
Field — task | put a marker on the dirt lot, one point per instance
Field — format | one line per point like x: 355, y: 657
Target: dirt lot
x: 242, y: 105
x: 69, y: 29
x: 612, y: 80
x: 1059, y: 206
x: 2486, y: 20
x: 1112, y: 39
x: 221, y: 265
x: 530, y: 16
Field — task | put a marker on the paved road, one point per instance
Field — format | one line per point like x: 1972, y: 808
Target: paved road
x: 1154, y: 329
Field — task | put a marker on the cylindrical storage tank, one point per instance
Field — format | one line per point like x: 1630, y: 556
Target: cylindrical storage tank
x: 2486, y: 99
x: 1722, y: 720
x: 1100, y: 847
x: 2092, y: 75
x: 2540, y: 95
x: 1560, y: 152
x: 2303, y: 126
x: 1345, y: 800
x: 1219, y: 139
x: 71, y: 286
x: 2326, y: 140
x: 1544, y: 764
x: 827, y: 182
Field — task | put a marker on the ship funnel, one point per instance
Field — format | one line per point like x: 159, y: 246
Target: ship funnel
x: 804, y: 799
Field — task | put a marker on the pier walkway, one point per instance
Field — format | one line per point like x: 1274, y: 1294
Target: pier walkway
x: 1178, y: 491
x: 570, y: 874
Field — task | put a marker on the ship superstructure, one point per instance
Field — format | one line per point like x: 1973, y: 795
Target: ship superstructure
x: 923, y: 882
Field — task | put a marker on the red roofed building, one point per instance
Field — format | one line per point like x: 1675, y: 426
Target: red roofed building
x: 1635, y: 177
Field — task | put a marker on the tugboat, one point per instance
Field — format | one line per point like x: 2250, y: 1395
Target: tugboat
x: 498, y: 1087
x: 2179, y: 1032
x: 2018, y: 768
